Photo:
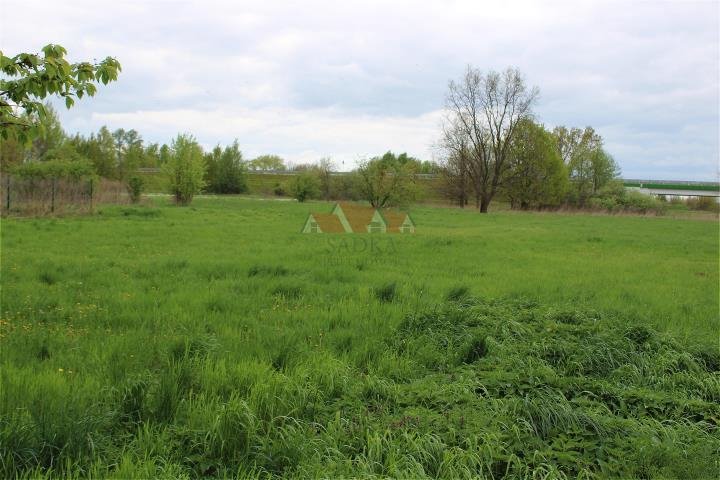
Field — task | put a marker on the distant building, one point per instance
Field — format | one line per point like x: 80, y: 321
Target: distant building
x: 354, y: 218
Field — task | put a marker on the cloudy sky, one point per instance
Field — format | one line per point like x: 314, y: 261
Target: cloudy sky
x: 351, y: 80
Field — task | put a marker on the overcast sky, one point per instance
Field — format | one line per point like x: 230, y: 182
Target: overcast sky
x: 352, y: 80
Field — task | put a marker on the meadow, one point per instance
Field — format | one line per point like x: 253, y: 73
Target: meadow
x: 217, y: 340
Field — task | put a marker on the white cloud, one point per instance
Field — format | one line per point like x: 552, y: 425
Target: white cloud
x: 298, y: 135
x: 292, y: 77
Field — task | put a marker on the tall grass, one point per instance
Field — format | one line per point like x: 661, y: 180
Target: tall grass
x: 220, y: 342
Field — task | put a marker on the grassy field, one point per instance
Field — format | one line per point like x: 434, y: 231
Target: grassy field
x: 217, y: 340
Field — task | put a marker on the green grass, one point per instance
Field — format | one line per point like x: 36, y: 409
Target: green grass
x: 217, y: 340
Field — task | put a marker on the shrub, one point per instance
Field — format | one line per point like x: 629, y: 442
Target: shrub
x: 135, y: 186
x: 615, y: 197
x: 305, y: 185
x: 279, y: 189
x: 185, y: 169
x: 75, y: 170
x: 708, y: 204
x: 226, y: 172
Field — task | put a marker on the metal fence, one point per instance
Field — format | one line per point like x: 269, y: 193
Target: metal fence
x: 51, y: 196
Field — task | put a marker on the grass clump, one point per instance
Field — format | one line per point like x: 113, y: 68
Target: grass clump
x: 500, y: 389
x: 386, y: 293
x: 268, y: 271
x: 458, y: 293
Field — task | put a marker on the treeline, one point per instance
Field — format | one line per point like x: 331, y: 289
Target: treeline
x: 542, y: 169
x: 523, y: 163
x: 119, y: 154
x: 188, y: 170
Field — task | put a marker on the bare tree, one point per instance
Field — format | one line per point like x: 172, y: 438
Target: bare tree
x: 456, y: 169
x: 484, y: 110
x: 325, y: 168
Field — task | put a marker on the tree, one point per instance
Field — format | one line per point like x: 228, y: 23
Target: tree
x: 129, y: 152
x: 185, y: 169
x: 536, y: 174
x: 151, y: 157
x: 12, y: 152
x: 305, y: 185
x: 135, y: 185
x: 325, y: 168
x: 485, y: 109
x: 29, y: 78
x: 267, y: 162
x: 604, y: 169
x: 589, y: 166
x: 458, y: 175
x: 226, y: 170
x: 385, y: 181
x: 49, y: 134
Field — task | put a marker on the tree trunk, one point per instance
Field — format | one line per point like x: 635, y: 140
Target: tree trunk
x: 484, y: 203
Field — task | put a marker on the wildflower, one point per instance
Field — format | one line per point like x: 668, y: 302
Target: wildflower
x: 60, y: 370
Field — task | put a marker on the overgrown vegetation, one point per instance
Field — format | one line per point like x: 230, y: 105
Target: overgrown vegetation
x: 473, y: 389
x: 217, y: 341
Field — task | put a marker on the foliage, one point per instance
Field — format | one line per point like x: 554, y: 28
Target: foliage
x: 305, y: 185
x: 279, y: 189
x: 267, y: 163
x: 483, y: 112
x: 135, y: 185
x: 226, y: 171
x: 101, y: 151
x: 387, y: 181
x: 536, y: 175
x: 614, y: 197
x: 12, y: 152
x: 55, y: 169
x: 589, y: 165
x: 48, y: 134
x: 29, y: 78
x: 708, y: 204
x: 185, y: 169
x: 325, y: 168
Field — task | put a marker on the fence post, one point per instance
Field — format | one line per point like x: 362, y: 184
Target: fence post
x: 91, y: 193
x: 52, y: 198
x: 7, y: 193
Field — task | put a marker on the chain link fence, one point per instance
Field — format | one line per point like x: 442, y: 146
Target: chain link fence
x: 54, y: 196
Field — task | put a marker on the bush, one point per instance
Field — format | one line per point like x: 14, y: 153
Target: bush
x: 135, y: 186
x: 635, y: 201
x: 279, y: 189
x: 305, y: 185
x: 75, y: 170
x: 616, y: 198
x: 708, y: 204
x: 185, y: 169
x: 226, y: 172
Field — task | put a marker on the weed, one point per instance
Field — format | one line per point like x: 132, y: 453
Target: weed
x: 386, y: 293
x: 266, y: 270
x: 457, y: 293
